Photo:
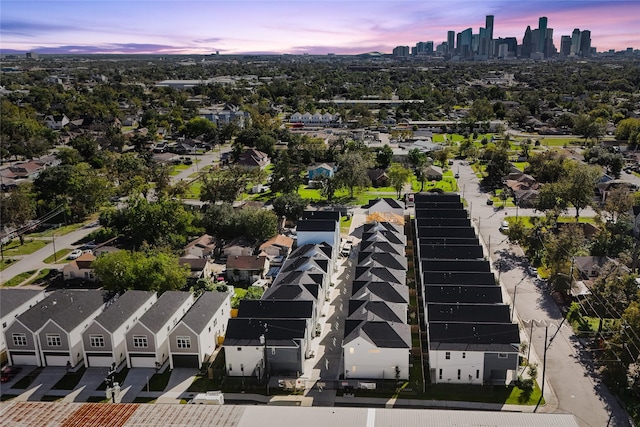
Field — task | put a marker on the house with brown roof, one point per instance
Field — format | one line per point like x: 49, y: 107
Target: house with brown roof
x: 80, y: 268
x: 199, y: 268
x: 378, y: 177
x: 202, y: 247
x: 245, y: 268
x: 237, y: 247
x: 253, y: 158
x: 277, y: 246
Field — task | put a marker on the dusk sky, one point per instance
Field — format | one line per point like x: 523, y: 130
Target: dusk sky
x: 301, y: 26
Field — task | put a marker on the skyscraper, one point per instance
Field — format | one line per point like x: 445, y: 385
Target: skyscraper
x: 464, y: 45
x: 585, y: 43
x: 565, y: 45
x: 451, y: 39
x: 527, y: 42
x: 489, y: 26
x: 542, y: 27
x: 575, y: 42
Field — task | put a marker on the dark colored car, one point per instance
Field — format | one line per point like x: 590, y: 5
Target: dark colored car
x: 8, y: 372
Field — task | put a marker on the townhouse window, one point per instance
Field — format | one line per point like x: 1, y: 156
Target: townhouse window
x: 477, y: 373
x: 215, y: 322
x: 464, y: 355
x: 53, y: 340
x: 19, y: 340
x: 447, y: 355
x: 502, y: 355
x: 140, y: 341
x: 96, y: 340
x: 183, y: 342
x: 458, y: 373
x: 440, y: 374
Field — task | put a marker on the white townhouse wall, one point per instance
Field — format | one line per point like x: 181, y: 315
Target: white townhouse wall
x: 244, y: 360
x: 103, y: 341
x: 457, y: 367
x: 50, y: 332
x: 195, y: 337
x: 14, y: 302
x: 147, y: 341
x: 363, y: 359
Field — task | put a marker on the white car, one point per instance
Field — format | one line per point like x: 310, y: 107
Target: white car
x: 532, y: 271
x: 75, y: 254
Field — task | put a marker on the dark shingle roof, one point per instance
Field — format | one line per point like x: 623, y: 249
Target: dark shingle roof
x: 385, y: 291
x: 270, y: 309
x: 307, y: 292
x: 306, y: 264
x: 10, y: 299
x: 479, y: 335
x: 380, y: 274
x: 299, y: 278
x: 479, y: 313
x: 122, y: 308
x: 463, y: 294
x: 381, y: 247
x: 68, y: 308
x: 381, y: 334
x: 247, y: 332
x: 373, y: 226
x: 316, y: 225
x: 163, y: 309
x: 394, y: 204
x: 376, y: 310
x: 312, y: 250
x: 383, y: 236
x: 388, y: 260
x: 203, y: 310
x: 324, y: 215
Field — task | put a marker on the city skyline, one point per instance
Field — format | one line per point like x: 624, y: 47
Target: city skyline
x: 275, y: 27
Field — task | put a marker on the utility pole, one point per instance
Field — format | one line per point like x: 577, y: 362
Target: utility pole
x: 544, y: 366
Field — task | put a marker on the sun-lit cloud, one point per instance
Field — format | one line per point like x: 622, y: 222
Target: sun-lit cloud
x: 302, y: 26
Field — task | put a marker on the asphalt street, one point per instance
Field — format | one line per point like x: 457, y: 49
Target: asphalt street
x: 570, y: 376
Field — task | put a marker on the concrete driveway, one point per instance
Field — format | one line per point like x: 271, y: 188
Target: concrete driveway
x: 179, y: 382
x: 41, y: 385
x: 88, y: 385
x: 136, y: 382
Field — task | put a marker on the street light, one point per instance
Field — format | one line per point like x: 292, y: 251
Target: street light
x: 513, y: 302
x: 263, y: 340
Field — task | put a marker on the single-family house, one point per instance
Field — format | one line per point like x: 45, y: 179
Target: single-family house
x: 378, y: 177
x: 277, y: 246
x: 200, y: 268
x: 591, y: 267
x: 376, y: 349
x: 433, y: 173
x: 56, y: 122
x: 147, y: 341
x: 253, y: 159
x: 14, y: 302
x: 202, y: 247
x: 195, y: 337
x: 103, y: 341
x: 264, y: 347
x: 237, y: 247
x: 318, y: 171
x: 247, y: 268
x: 80, y: 268
x: 50, y: 332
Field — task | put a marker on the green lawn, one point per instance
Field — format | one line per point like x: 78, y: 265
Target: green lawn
x: 6, y: 263
x: 41, y: 275
x: 16, y: 280
x: 193, y: 192
x: 58, y: 257
x: 61, y: 231
x: 29, y: 247
x: 175, y: 170
x: 445, y: 184
x: 70, y: 380
x: 521, y: 165
x: 526, y: 220
x: 345, y: 224
x: 560, y: 142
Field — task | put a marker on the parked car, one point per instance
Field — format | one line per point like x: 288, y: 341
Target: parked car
x: 504, y: 227
x: 8, y: 372
x: 75, y: 254
x: 532, y: 271
x: 490, y: 201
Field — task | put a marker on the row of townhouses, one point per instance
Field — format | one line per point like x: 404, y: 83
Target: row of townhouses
x: 470, y: 336
x: 272, y: 336
x: 377, y: 338
x: 97, y: 328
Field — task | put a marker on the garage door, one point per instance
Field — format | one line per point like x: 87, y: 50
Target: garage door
x: 185, y: 361
x: 94, y: 361
x: 56, y: 360
x: 24, y: 359
x: 143, y: 362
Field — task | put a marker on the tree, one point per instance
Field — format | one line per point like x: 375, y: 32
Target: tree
x: 584, y: 125
x: 255, y: 224
x: 442, y: 156
x: 286, y: 175
x: 398, y: 176
x: 498, y: 166
x: 352, y: 172
x: 149, y: 271
x: 198, y: 126
x: 618, y: 203
x: 384, y: 156
x: 224, y: 185
x: 290, y: 205
x: 17, y: 208
x: 416, y: 157
x: 579, y: 186
x: 481, y: 110
x: 629, y: 130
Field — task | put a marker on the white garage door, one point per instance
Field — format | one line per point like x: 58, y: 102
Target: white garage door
x: 24, y: 359
x: 94, y: 361
x: 143, y: 362
x: 56, y: 360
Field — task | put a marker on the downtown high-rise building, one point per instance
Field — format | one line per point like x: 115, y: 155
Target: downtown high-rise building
x: 585, y: 43
x: 575, y: 42
x: 451, y: 40
x: 542, y: 34
x: 565, y: 45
